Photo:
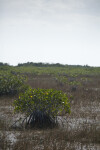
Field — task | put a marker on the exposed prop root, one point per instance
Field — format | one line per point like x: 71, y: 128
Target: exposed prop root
x: 38, y: 119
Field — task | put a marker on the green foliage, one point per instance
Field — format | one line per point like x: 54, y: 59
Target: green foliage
x: 49, y: 101
x: 40, y: 64
x: 62, y: 79
x: 73, y: 71
x: 11, y: 83
x: 51, y: 69
x: 4, y: 64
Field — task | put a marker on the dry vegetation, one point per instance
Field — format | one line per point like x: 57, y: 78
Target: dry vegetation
x: 78, y: 131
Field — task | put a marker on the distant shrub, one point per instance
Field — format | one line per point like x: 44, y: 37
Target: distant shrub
x: 11, y: 83
x: 42, y: 106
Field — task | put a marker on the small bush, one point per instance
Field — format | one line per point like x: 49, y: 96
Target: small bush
x: 42, y: 105
x: 11, y: 83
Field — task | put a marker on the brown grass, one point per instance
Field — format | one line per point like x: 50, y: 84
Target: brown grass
x: 81, y: 128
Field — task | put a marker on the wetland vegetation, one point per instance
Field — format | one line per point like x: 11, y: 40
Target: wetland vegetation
x: 79, y: 130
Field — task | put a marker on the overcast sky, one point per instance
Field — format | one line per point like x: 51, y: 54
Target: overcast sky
x: 53, y: 31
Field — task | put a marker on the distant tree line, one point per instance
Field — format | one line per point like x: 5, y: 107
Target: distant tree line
x: 4, y: 64
x: 40, y: 64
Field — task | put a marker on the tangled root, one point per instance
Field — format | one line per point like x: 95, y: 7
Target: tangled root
x: 39, y: 119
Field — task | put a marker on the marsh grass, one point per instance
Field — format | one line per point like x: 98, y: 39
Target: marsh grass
x: 4, y: 142
x: 81, y: 130
x: 58, y: 139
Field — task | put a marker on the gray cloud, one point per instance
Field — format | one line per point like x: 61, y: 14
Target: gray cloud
x: 48, y: 7
x: 49, y: 11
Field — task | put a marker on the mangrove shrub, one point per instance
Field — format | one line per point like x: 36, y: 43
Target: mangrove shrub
x: 11, y: 83
x: 41, y: 106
